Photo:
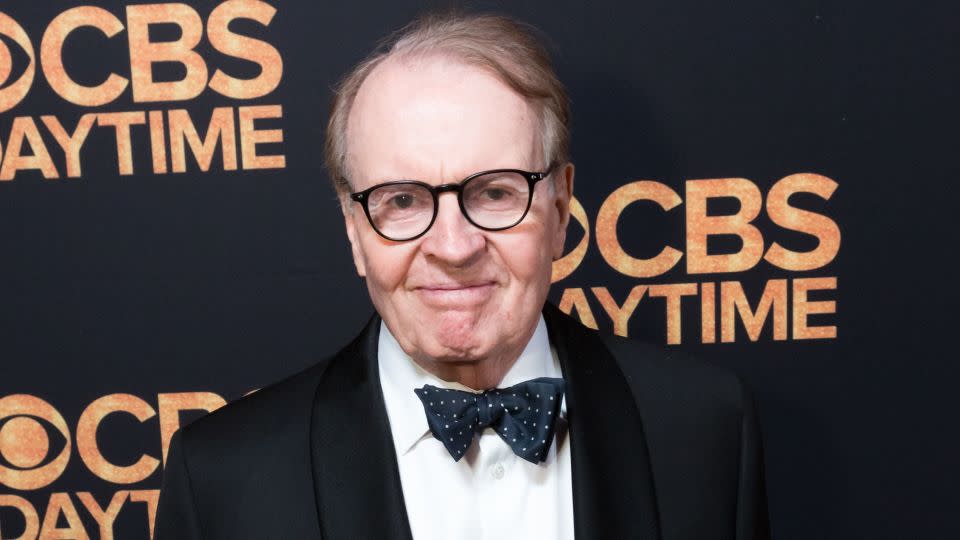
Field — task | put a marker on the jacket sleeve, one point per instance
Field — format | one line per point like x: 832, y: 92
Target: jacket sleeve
x: 176, y: 512
x: 753, y: 522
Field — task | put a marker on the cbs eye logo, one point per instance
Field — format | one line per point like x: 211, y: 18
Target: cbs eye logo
x: 26, y: 445
x: 12, y: 93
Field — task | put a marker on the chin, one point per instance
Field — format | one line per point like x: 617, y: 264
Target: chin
x: 455, y: 343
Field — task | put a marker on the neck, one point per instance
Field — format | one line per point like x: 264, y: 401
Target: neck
x: 478, y: 375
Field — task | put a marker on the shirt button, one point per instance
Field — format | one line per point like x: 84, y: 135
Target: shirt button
x: 498, y: 471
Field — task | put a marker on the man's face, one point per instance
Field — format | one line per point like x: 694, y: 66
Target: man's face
x: 457, y: 294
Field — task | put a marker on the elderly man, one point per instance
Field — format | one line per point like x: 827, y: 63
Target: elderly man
x: 468, y: 407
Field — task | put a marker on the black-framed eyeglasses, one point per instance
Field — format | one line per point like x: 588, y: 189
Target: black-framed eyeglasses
x: 491, y: 200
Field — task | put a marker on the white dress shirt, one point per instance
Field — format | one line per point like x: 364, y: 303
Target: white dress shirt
x: 490, y: 494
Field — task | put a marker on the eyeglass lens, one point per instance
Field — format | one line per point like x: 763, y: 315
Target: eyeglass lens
x: 491, y: 201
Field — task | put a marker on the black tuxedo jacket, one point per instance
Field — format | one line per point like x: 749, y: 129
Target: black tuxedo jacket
x: 662, y: 448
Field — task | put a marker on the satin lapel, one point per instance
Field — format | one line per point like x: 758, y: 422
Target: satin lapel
x: 613, y: 493
x: 355, y: 475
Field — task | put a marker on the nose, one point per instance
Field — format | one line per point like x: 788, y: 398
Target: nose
x: 452, y: 239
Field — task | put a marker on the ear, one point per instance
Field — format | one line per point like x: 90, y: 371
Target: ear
x: 563, y: 192
x: 349, y: 220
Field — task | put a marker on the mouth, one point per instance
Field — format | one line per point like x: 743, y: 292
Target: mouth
x: 455, y: 294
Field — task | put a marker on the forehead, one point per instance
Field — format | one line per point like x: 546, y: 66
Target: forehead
x: 438, y: 120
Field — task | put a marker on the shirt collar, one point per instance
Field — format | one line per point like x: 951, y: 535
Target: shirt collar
x: 400, y: 375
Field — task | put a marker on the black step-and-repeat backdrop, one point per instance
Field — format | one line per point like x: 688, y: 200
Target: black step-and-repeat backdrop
x: 767, y: 185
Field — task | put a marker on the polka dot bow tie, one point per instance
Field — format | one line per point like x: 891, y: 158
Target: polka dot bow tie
x: 524, y: 416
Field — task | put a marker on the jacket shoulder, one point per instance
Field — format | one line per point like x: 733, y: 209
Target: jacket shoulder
x: 268, y: 412
x: 249, y: 458
x: 222, y: 468
x: 659, y: 373
x: 264, y: 429
x: 236, y: 453
x: 260, y: 415
x: 663, y: 380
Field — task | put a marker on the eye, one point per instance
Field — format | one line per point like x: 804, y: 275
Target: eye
x: 398, y: 198
x: 402, y: 201
x: 495, y: 193
x: 496, y: 190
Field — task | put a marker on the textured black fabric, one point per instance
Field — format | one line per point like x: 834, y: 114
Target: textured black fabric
x: 523, y: 415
